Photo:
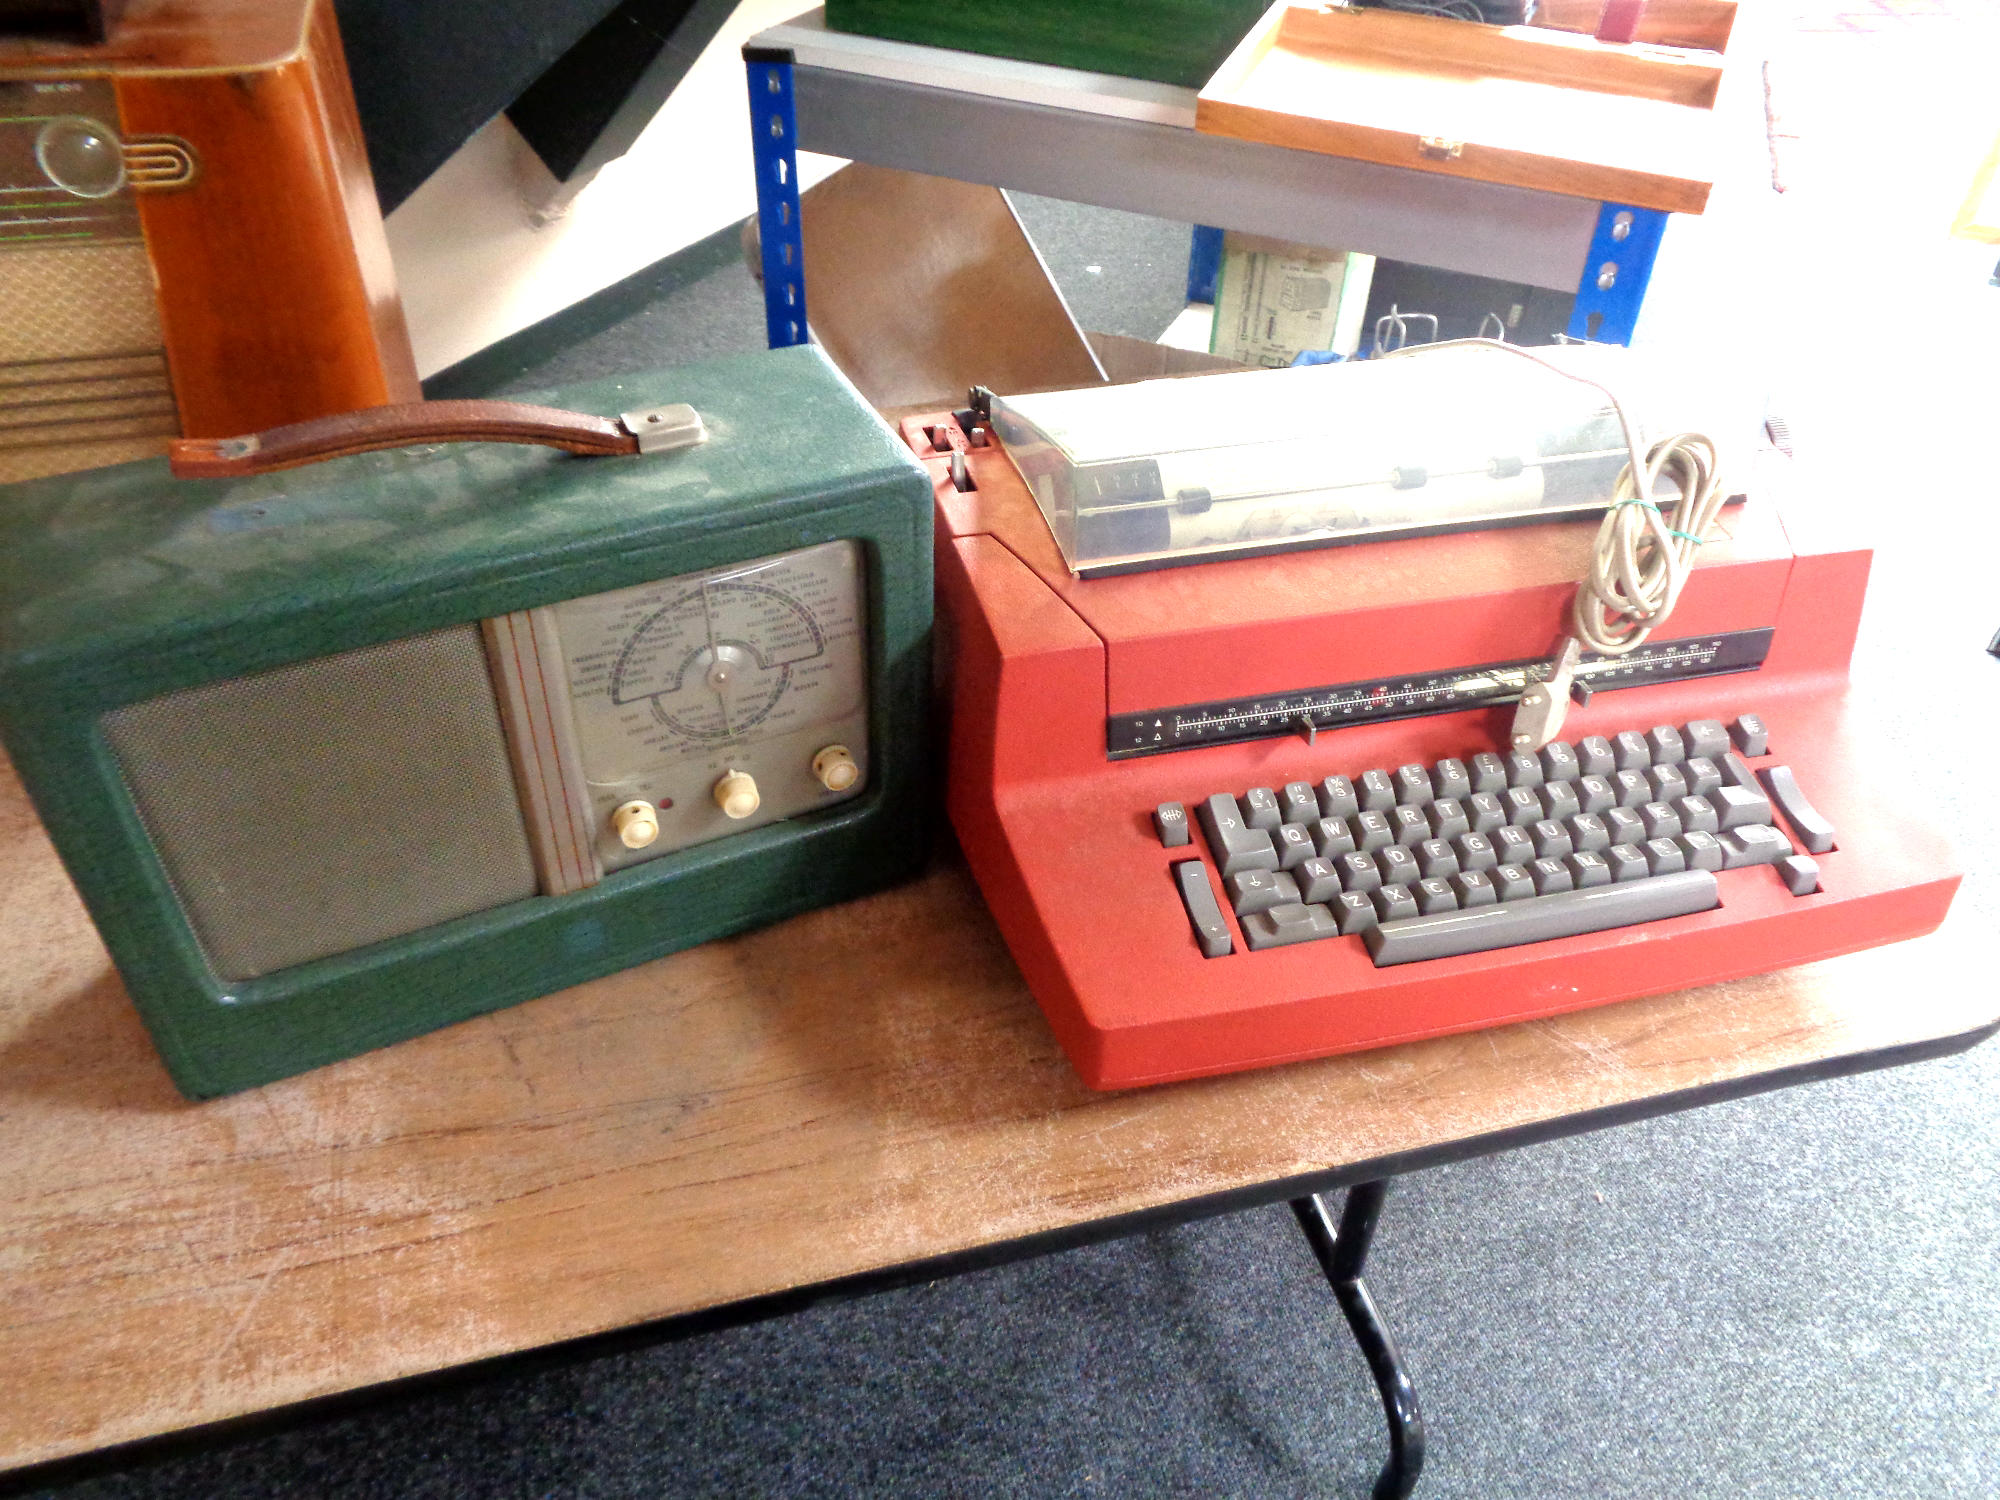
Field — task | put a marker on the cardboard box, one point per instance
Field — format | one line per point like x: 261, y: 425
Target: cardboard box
x: 1274, y: 300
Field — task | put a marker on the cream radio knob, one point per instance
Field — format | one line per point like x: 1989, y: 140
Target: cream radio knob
x: 835, y: 768
x: 736, y: 794
x: 636, y: 824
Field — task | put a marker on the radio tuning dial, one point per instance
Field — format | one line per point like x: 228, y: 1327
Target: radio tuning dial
x: 736, y: 794
x: 835, y: 768
x: 81, y: 157
x: 636, y: 824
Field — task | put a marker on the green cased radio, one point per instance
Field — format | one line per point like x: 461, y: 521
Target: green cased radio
x: 342, y: 754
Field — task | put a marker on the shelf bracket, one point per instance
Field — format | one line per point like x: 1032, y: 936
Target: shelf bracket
x: 774, y: 135
x: 1615, y: 273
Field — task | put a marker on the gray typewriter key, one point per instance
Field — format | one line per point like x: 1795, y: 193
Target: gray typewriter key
x: 1236, y: 846
x: 1475, y: 851
x: 1626, y: 863
x: 1409, y: 825
x: 1735, y: 806
x: 1697, y: 815
x: 1393, y: 902
x: 1595, y: 793
x: 1664, y: 745
x: 1703, y: 775
x: 1512, y: 882
x: 1559, y: 799
x: 1191, y: 877
x: 1489, y: 773
x: 1631, y: 789
x: 1371, y: 831
x: 1337, y: 798
x: 1523, y: 769
x: 1512, y: 845
x: 1562, y: 915
x: 1588, y: 868
x: 1588, y: 831
x: 1260, y: 808
x: 1171, y: 820
x: 1485, y: 812
x: 1259, y: 890
x: 1298, y: 802
x: 1318, y: 880
x: 1750, y: 735
x: 1704, y: 737
x: 1735, y: 773
x: 1813, y: 830
x: 1434, y: 896
x: 1358, y: 872
x: 1559, y: 762
x: 1295, y: 845
x: 1624, y: 826
x: 1664, y: 856
x: 1660, y: 821
x: 1800, y: 872
x: 1331, y: 838
x: 1752, y: 844
x: 1413, y: 785
x: 1283, y: 925
x: 1473, y: 888
x: 1398, y: 865
x: 1700, y: 850
x: 1669, y: 783
x: 1522, y: 805
x: 1437, y: 859
x: 1447, y: 818
x: 1450, y: 778
x: 1552, y: 840
x: 1376, y: 791
x: 1551, y: 876
x: 1353, y: 912
x: 1594, y: 755
x: 1631, y: 750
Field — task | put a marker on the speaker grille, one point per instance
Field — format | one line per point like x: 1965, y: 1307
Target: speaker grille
x: 316, y: 808
x: 83, y: 380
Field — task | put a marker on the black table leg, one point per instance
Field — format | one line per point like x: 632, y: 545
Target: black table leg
x: 1341, y: 1254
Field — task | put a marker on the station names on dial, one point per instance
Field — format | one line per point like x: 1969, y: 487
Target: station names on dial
x: 694, y: 663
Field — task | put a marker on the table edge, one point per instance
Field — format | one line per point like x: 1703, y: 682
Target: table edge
x: 694, y: 1322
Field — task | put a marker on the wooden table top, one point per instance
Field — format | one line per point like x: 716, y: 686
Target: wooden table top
x: 856, y: 1089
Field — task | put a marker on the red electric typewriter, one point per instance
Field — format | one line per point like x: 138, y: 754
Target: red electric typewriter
x: 1267, y: 806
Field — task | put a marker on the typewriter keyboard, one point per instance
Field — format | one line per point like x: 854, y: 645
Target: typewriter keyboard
x: 1428, y: 861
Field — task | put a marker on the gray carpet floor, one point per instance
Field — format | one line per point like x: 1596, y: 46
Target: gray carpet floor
x: 1791, y: 1295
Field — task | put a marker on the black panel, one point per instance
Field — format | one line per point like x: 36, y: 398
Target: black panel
x: 427, y: 75
x: 563, y: 112
x: 83, y: 20
x: 1460, y: 303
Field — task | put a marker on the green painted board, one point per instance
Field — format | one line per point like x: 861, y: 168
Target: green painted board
x: 120, y: 585
x: 1170, y: 41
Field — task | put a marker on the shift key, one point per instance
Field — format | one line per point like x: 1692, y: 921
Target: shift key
x: 1210, y: 929
x: 1237, y: 846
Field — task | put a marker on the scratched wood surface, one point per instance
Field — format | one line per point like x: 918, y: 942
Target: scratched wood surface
x: 857, y: 1088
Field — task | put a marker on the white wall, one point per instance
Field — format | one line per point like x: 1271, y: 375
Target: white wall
x: 474, y: 267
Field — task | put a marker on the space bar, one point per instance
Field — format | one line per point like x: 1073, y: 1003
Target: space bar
x: 1563, y: 914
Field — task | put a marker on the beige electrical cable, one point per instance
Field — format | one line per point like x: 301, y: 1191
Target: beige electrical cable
x: 1641, y: 559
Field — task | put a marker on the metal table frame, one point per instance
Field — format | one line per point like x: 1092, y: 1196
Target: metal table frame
x: 1130, y: 144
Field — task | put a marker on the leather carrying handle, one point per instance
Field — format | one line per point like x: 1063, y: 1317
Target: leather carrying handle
x: 377, y: 427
